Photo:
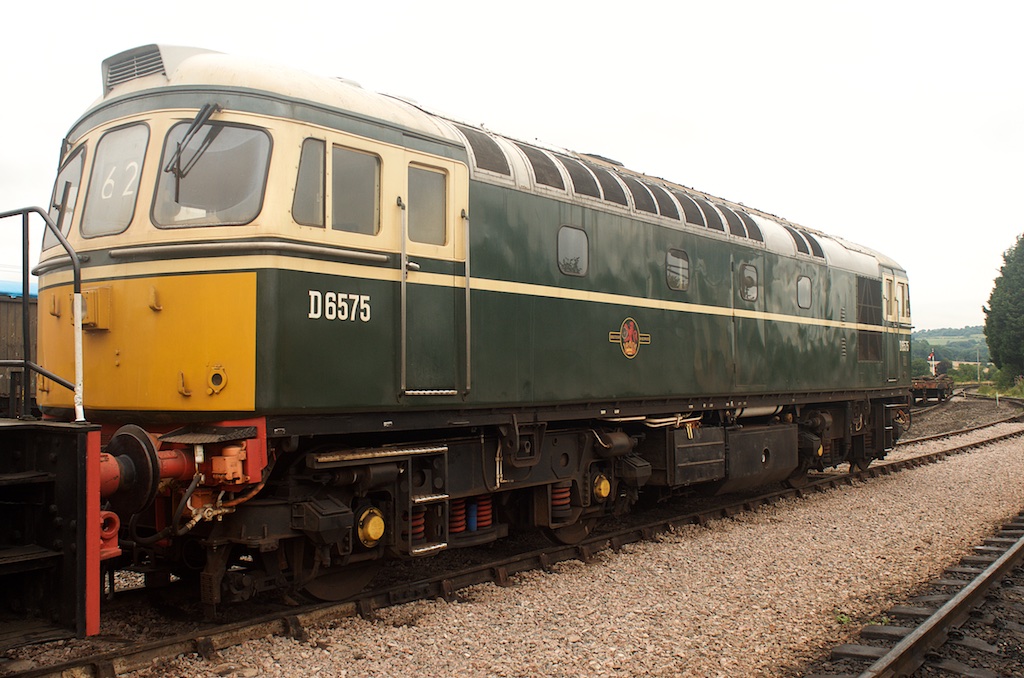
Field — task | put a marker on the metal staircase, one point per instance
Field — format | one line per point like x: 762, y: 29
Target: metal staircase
x: 50, y: 528
x: 44, y: 545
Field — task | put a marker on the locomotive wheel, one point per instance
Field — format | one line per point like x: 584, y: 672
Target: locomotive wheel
x: 332, y: 584
x: 575, y: 533
x: 859, y: 464
x: 798, y: 479
x: 343, y: 582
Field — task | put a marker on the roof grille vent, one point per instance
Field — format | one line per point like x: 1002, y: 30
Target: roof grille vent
x: 130, y: 65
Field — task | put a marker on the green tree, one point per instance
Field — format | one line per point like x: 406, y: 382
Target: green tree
x: 1004, y: 315
x: 920, y: 348
x: 919, y: 367
x: 967, y: 372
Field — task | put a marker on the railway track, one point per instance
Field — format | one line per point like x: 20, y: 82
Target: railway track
x: 916, y: 412
x: 968, y: 429
x: 208, y: 639
x: 937, y: 641
x: 921, y: 409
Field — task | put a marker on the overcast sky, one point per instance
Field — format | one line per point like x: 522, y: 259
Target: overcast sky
x: 897, y: 125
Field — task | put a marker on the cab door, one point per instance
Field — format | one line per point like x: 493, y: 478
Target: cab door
x: 903, y: 326
x: 434, y: 283
x: 753, y: 369
x: 891, y: 323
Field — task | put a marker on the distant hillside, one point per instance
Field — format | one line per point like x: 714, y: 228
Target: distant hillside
x: 962, y: 344
x: 951, y: 332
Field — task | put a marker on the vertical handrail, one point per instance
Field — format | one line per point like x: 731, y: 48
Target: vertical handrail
x: 469, y: 331
x: 26, y: 334
x: 404, y: 302
x: 27, y: 365
x: 406, y: 266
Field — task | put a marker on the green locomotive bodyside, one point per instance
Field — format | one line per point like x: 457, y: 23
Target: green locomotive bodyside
x: 540, y: 337
x: 531, y: 334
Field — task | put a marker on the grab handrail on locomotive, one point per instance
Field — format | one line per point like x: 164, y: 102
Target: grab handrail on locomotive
x: 294, y: 375
x: 28, y: 368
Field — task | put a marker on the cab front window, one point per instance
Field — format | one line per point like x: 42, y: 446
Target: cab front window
x: 69, y: 178
x: 114, y: 182
x: 213, y: 177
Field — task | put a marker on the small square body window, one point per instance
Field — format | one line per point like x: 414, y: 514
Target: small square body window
x: 677, y: 270
x: 573, y: 254
x: 748, y: 282
x: 803, y: 292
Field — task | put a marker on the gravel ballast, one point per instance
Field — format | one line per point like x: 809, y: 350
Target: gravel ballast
x: 763, y: 593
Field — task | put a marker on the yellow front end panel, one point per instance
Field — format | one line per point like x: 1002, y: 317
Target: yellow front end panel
x: 168, y: 343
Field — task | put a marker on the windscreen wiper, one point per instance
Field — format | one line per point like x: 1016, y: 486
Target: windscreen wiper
x: 174, y: 164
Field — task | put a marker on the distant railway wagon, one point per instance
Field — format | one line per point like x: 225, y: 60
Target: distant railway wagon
x: 929, y: 387
x: 322, y: 327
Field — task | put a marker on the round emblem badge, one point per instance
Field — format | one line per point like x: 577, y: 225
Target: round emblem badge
x: 629, y: 338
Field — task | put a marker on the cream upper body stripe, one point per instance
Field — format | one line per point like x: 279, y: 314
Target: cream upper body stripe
x: 490, y: 285
x: 248, y: 263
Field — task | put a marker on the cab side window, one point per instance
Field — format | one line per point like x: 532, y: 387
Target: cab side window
x: 355, y: 191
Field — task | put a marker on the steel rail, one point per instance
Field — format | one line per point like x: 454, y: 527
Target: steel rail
x: 910, y: 653
x: 969, y: 429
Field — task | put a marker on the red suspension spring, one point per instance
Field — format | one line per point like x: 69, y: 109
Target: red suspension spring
x: 457, y: 517
x: 484, y: 511
x: 417, y: 525
x: 560, y: 498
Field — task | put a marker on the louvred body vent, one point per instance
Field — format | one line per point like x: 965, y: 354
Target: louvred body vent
x: 132, y: 64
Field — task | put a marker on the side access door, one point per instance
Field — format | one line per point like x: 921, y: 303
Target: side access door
x: 434, y: 285
x: 752, y: 370
x: 896, y: 317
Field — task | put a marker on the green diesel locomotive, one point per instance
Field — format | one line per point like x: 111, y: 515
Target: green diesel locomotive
x: 323, y: 327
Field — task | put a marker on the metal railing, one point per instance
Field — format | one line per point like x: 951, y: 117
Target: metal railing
x: 25, y: 363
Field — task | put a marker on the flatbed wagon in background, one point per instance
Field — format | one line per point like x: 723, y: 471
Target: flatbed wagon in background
x: 931, y: 388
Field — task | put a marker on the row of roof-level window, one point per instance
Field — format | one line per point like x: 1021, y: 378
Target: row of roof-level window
x: 222, y: 181
x: 599, y: 182
x: 574, y: 260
